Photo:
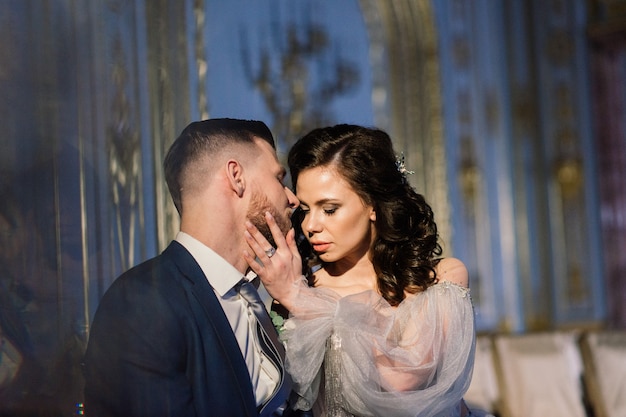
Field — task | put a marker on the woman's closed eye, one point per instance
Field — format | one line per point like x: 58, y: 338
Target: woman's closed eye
x: 328, y: 210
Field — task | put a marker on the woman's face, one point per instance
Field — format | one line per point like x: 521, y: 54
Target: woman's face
x: 337, y: 222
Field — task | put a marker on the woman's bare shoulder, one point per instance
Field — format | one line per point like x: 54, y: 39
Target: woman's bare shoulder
x: 453, y: 270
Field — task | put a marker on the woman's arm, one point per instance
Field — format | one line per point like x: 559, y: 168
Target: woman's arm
x: 409, y: 376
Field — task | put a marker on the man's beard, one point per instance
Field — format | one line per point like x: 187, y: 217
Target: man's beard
x: 256, y: 214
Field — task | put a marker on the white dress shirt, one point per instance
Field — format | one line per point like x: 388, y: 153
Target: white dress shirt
x: 223, y: 277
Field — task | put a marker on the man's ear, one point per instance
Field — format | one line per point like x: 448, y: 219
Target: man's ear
x: 234, y: 173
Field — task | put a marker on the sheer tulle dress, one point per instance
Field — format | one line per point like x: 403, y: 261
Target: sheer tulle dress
x: 358, y: 355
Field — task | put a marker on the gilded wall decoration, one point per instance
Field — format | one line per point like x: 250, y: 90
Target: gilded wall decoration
x: 283, y: 76
x: 566, y: 142
x: 569, y: 214
x: 200, y: 55
x: 413, y: 97
x: 124, y: 164
x: 173, y: 103
x: 473, y: 125
x: 515, y: 88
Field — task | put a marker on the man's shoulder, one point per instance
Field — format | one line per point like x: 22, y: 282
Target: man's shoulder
x: 165, y: 261
x: 155, y: 275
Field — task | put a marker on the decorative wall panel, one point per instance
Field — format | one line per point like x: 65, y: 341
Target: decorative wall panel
x: 608, y: 36
x: 172, y: 65
x: 524, y: 213
x: 405, y: 65
x: 77, y: 182
x: 563, y: 100
x: 478, y: 145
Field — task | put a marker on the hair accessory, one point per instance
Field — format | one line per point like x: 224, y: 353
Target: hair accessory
x: 400, y: 166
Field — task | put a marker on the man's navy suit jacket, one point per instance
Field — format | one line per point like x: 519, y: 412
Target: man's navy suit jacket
x: 161, y: 345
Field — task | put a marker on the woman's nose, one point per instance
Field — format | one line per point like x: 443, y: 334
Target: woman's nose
x: 310, y: 224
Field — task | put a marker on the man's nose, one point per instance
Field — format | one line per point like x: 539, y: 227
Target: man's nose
x: 291, y: 197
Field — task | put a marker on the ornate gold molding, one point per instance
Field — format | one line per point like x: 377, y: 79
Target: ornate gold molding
x: 201, y: 62
x: 123, y: 146
x: 406, y: 29
x: 168, y: 66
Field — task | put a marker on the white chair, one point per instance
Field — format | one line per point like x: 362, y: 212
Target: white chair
x: 604, y: 356
x: 540, y: 374
x: 483, y: 393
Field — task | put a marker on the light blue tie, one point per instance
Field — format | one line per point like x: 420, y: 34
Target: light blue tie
x: 268, y: 339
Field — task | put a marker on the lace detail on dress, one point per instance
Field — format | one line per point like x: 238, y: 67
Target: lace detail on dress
x: 445, y: 285
x: 332, y: 374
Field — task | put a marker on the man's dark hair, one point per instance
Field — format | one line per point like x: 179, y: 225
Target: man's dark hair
x: 207, y: 137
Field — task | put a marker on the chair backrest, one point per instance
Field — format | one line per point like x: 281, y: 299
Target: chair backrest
x: 604, y: 356
x: 540, y: 374
x: 483, y: 392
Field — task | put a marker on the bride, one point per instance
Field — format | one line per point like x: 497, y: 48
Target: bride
x: 379, y: 324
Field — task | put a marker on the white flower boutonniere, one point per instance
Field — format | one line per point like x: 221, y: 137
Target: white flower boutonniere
x: 278, y: 321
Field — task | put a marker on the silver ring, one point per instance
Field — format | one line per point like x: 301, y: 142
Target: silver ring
x: 270, y: 252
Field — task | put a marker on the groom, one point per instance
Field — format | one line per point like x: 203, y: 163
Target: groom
x: 173, y: 336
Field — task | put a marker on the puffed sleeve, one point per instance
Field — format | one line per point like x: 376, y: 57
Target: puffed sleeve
x: 413, y: 360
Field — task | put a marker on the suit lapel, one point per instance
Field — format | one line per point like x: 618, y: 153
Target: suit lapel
x: 210, y: 315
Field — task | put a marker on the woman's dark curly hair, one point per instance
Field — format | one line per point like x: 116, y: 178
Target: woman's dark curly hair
x: 406, y: 249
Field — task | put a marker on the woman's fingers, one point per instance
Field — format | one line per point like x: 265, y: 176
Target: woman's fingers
x: 277, y: 233
x: 293, y: 248
x: 280, y: 271
x: 256, y: 240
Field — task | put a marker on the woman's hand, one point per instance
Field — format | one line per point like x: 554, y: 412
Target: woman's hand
x: 279, y: 270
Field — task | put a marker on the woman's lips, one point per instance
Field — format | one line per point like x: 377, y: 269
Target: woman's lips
x: 320, y: 246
